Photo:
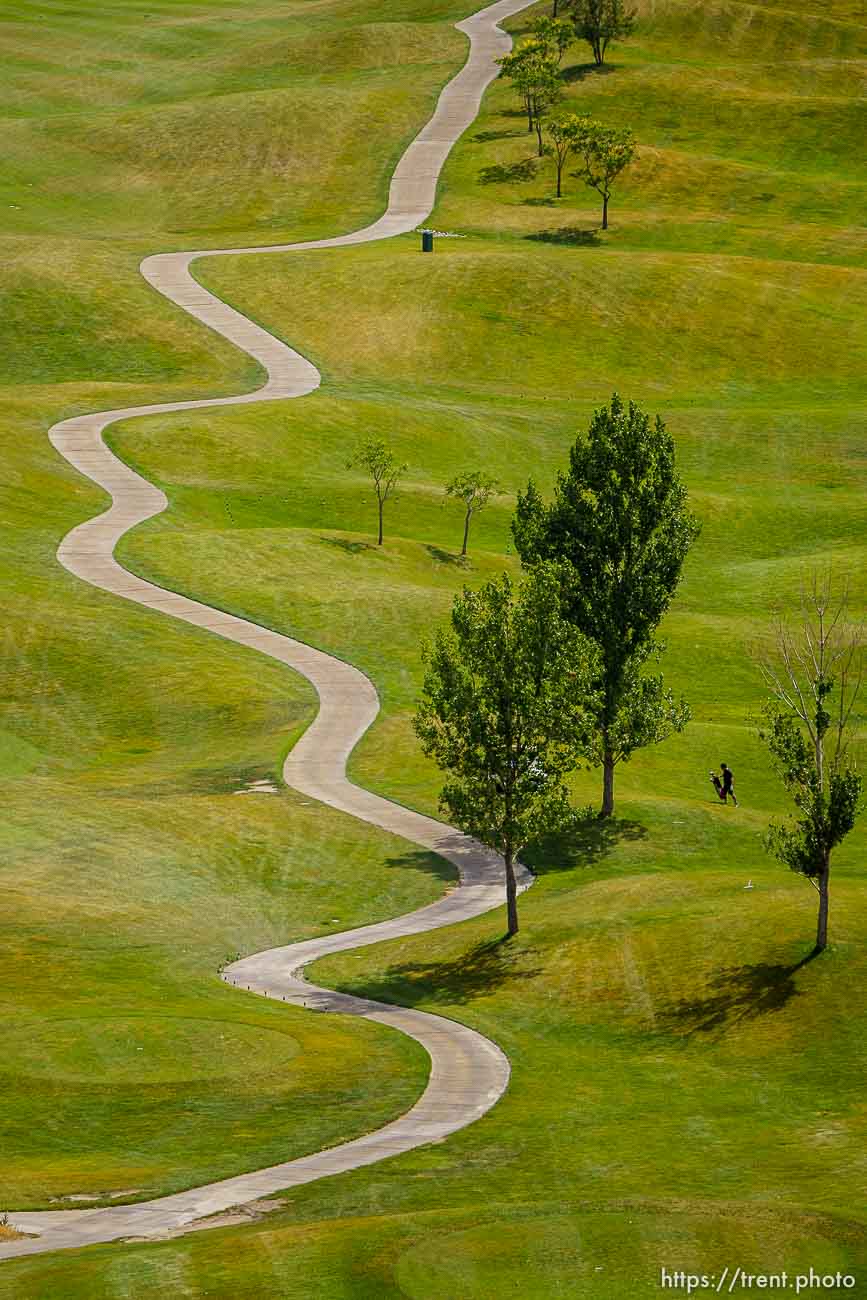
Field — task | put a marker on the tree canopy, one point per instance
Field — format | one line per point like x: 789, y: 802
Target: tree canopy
x: 503, y: 712
x: 564, y: 136
x: 554, y: 35
x: 603, y: 152
x: 599, y: 22
x: 620, y: 530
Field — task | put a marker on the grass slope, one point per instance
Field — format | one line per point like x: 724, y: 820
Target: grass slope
x: 686, y: 1091
x: 131, y: 868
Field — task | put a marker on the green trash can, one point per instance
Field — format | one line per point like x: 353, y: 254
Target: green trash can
x: 427, y: 241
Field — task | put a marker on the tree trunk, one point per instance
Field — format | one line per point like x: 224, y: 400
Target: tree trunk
x: 604, y: 211
x: 466, y: 533
x: 379, y: 539
x: 607, y: 784
x: 822, y: 927
x: 529, y: 107
x: 539, y: 137
x: 511, y: 895
x: 559, y: 174
x: 556, y: 4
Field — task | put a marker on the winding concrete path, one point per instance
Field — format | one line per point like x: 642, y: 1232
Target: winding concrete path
x: 468, y: 1072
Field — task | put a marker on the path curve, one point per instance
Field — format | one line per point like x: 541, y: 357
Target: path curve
x: 469, y: 1073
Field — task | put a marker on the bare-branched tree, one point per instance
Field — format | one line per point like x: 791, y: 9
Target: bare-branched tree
x: 815, y: 676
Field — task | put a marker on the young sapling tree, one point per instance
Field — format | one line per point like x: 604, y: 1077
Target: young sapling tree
x: 603, y: 152
x: 384, y: 469
x: 563, y: 137
x: 474, y: 490
x: 546, y: 90
x: 815, y: 678
x: 537, y: 80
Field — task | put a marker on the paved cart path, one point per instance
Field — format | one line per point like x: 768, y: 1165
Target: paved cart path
x: 468, y: 1072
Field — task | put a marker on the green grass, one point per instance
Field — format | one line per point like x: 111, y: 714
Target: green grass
x: 685, y: 1093
x: 132, y: 869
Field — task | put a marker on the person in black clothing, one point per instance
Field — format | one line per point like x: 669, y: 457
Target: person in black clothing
x: 728, y: 787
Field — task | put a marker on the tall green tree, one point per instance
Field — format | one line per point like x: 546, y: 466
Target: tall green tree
x: 384, y: 469
x: 620, y: 529
x: 502, y: 711
x: 603, y: 152
x: 473, y: 489
x: 815, y: 679
x: 599, y: 22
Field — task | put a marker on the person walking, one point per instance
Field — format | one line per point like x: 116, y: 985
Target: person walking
x: 728, y: 784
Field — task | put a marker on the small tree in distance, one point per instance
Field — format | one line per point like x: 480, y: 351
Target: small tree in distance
x: 537, y: 80
x: 815, y: 679
x: 599, y: 22
x: 546, y: 91
x: 475, y: 490
x: 513, y: 67
x: 502, y: 713
x: 564, y: 137
x: 603, y: 152
x: 380, y: 462
x: 554, y: 35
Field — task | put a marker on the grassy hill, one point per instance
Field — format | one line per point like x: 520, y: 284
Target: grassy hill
x: 686, y: 1092
x: 131, y: 867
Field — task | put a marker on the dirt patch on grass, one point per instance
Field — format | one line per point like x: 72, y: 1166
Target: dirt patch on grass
x: 252, y: 1212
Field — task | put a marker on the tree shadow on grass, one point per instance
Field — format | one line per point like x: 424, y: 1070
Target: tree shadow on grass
x: 346, y: 544
x: 482, y: 137
x: 509, y: 173
x: 572, y: 236
x: 580, y: 71
x: 448, y: 557
x: 483, y: 969
x: 736, y: 995
x: 585, y: 844
x: 430, y: 862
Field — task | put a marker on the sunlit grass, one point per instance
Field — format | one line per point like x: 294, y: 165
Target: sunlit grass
x: 686, y: 1091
